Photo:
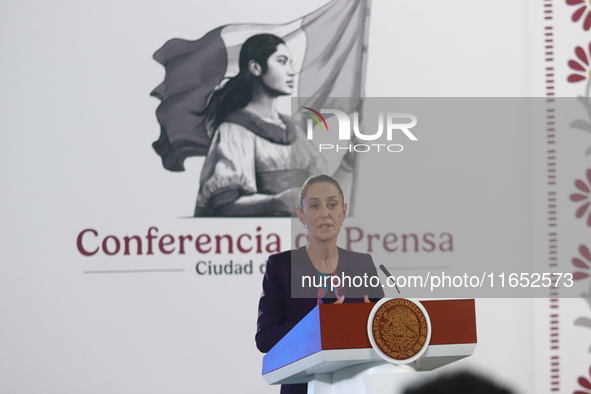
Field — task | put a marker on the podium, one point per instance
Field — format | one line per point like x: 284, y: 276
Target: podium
x: 331, y: 348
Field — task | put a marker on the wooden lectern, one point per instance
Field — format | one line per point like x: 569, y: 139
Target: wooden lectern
x: 331, y: 350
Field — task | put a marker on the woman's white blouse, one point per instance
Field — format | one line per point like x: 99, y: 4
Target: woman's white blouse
x: 237, y: 155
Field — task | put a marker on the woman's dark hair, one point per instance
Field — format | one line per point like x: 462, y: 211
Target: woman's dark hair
x: 237, y: 92
x: 317, y: 179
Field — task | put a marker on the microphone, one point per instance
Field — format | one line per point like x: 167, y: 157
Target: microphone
x: 388, y: 274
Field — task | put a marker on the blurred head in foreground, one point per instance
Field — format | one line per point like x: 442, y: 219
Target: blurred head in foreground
x: 460, y: 383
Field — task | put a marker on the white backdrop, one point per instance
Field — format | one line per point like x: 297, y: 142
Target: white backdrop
x: 77, y: 125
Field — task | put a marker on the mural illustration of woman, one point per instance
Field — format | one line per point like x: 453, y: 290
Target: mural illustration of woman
x: 219, y: 99
x: 256, y: 158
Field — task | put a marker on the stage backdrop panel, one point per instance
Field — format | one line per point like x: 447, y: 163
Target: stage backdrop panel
x: 84, y: 310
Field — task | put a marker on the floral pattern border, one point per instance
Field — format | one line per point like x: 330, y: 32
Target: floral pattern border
x: 580, y: 66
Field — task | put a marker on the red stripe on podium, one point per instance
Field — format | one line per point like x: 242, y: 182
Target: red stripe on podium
x: 452, y: 322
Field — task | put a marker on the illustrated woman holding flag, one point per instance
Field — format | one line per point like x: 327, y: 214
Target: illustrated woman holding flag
x: 256, y: 159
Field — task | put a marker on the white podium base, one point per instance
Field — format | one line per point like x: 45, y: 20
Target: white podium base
x: 370, y: 378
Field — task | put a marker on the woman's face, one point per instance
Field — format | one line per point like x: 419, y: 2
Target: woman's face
x: 279, y: 77
x: 322, y: 211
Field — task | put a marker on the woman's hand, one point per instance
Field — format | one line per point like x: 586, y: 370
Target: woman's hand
x: 284, y: 203
x: 342, y: 299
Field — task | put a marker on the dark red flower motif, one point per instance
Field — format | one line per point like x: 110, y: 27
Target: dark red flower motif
x: 582, y: 65
x: 585, y: 383
x: 583, y: 195
x: 581, y: 6
x: 577, y: 262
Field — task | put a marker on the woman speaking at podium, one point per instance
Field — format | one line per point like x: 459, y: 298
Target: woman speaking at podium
x: 286, y: 299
